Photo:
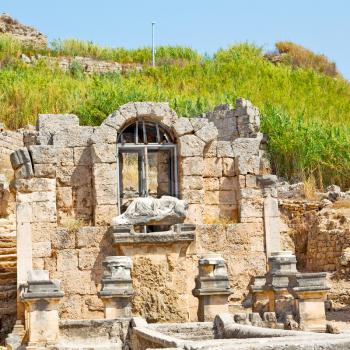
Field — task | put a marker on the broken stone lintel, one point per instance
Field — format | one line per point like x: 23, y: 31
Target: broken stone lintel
x: 178, y: 233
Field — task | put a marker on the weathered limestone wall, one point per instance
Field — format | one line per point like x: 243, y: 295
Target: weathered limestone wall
x: 218, y: 178
x: 9, y: 142
x: 298, y: 216
x: 320, y: 237
x: 230, y: 191
x: 64, y: 155
x: 162, y: 293
x: 329, y: 242
x: 242, y: 247
x: 67, y: 194
x: 76, y: 260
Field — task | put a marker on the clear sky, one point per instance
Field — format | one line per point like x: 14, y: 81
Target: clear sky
x: 205, y: 25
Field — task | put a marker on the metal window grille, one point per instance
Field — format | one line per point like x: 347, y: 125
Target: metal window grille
x: 143, y: 138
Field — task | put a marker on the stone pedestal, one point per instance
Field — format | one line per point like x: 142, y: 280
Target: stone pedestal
x: 261, y: 297
x: 311, y: 292
x: 117, y: 291
x: 283, y: 262
x: 292, y: 295
x: 282, y: 265
x: 41, y: 297
x: 212, y: 287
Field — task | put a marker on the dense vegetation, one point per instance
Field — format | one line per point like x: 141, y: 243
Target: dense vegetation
x: 298, y: 56
x: 306, y: 113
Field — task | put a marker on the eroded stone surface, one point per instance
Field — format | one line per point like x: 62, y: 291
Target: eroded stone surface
x: 148, y: 209
x: 67, y: 194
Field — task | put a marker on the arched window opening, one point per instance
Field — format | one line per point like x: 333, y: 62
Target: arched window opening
x: 147, y: 163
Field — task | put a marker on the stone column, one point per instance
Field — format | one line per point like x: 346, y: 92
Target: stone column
x: 271, y: 214
x: 117, y: 291
x: 311, y: 292
x: 282, y: 265
x: 41, y: 297
x: 212, y: 287
x: 261, y: 295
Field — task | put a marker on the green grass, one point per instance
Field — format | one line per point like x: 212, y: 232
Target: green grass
x: 302, y: 150
x: 165, y: 54
x: 305, y: 113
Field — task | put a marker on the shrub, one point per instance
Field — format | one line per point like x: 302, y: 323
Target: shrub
x: 76, y: 69
x: 305, y: 113
x: 299, y: 56
x: 311, y: 151
x: 9, y: 48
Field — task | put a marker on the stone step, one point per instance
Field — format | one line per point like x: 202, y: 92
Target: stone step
x: 8, y: 291
x: 8, y: 281
x: 6, y: 267
x: 7, y: 275
x: 4, y: 229
x: 8, y: 264
x: 8, y: 257
x: 5, y: 221
x: 8, y: 287
x: 90, y: 334
x: 7, y: 296
x: 9, y: 309
x: 7, y: 231
x: 7, y: 243
x: 8, y: 226
x: 7, y: 237
x: 10, y: 250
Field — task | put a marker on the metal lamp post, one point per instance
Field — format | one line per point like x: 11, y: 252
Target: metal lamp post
x: 153, y: 48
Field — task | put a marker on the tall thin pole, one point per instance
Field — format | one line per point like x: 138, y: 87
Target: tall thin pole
x: 153, y: 48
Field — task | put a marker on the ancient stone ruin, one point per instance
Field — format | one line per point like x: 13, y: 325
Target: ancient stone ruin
x: 150, y: 231
x: 25, y: 34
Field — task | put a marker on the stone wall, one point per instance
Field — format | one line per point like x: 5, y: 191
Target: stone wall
x: 242, y: 246
x: 218, y: 178
x: 231, y: 165
x: 9, y: 142
x: 87, y: 65
x: 319, y: 233
x: 328, y: 241
x: 66, y: 187
x: 298, y: 216
x: 75, y: 259
x: 163, y: 276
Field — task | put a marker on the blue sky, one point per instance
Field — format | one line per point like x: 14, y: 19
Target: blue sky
x: 323, y: 26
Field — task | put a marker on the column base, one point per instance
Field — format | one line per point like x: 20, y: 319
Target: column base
x: 117, y: 306
x: 210, y: 306
x: 311, y: 311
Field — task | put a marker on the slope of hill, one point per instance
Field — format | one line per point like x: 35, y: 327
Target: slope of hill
x: 305, y: 113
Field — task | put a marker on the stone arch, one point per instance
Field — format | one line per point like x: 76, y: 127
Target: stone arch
x: 151, y: 111
x: 191, y: 136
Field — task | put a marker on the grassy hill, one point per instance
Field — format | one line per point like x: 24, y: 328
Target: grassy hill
x: 306, y: 112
